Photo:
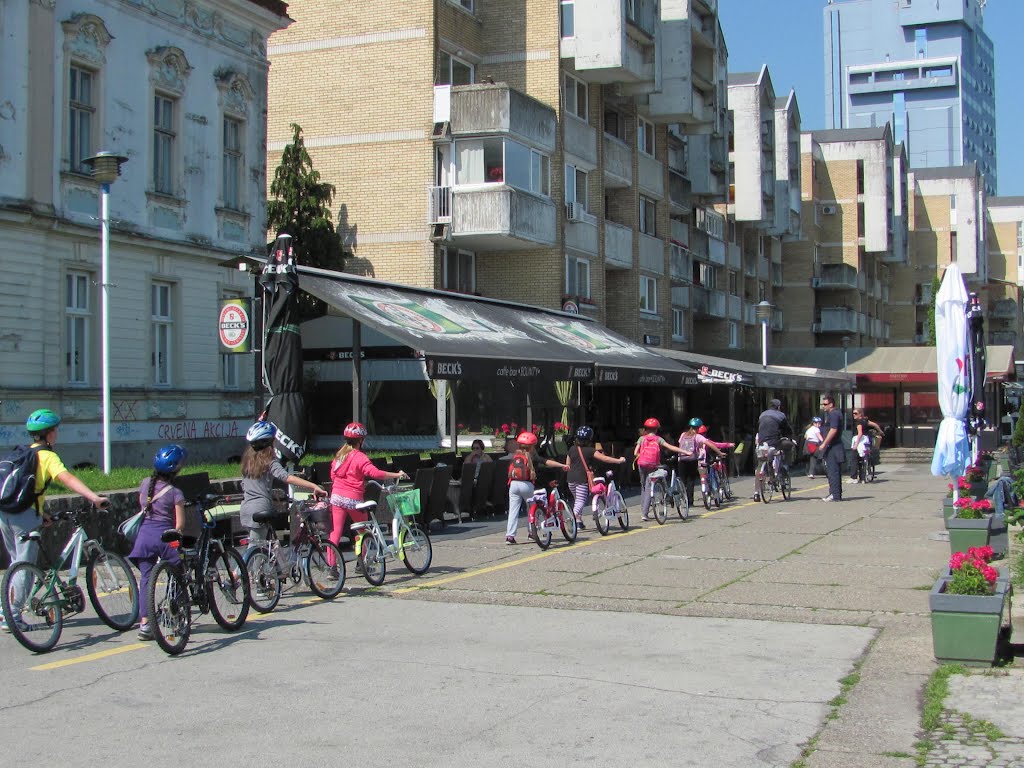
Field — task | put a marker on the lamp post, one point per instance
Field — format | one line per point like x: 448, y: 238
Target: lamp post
x: 846, y: 362
x: 105, y: 167
x: 763, y: 310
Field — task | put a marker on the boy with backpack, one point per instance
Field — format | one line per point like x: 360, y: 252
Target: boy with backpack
x: 25, y: 474
x: 521, y: 475
x: 647, y: 454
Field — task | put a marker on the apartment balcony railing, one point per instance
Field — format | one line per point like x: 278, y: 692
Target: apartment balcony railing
x: 734, y: 307
x: 733, y: 256
x: 835, y: 276
x: 1008, y: 338
x: 618, y: 163
x: 707, y: 303
x: 491, y: 217
x: 581, y: 231
x: 716, y: 303
x: 439, y: 205
x: 650, y: 175
x: 749, y: 313
x: 837, y: 320
x: 680, y: 263
x: 580, y: 138
x: 1004, y: 308
x: 618, y: 246
x: 652, y: 254
x: 862, y: 323
x: 678, y: 190
x: 681, y: 296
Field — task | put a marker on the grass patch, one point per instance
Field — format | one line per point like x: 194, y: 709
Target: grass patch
x: 935, y: 693
x: 902, y: 755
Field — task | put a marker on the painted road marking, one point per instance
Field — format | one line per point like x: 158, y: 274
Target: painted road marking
x: 89, y: 657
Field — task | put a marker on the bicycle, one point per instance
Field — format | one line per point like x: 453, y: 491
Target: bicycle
x: 410, y: 542
x: 721, y: 465
x: 35, y: 601
x: 310, y: 557
x: 773, y: 473
x: 666, y: 490
x: 714, y: 480
x: 608, y: 504
x: 210, y: 577
x: 556, y: 514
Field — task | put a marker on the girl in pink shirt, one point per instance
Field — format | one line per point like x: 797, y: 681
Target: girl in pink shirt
x: 349, y: 471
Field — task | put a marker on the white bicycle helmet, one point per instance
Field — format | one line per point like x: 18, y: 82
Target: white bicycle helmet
x: 260, y: 432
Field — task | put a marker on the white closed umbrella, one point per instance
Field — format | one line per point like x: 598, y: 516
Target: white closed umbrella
x: 952, y: 449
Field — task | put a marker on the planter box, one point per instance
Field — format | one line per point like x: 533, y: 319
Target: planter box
x: 947, y: 509
x: 965, y: 628
x: 968, y: 533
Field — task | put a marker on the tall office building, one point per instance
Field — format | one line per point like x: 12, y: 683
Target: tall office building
x: 928, y: 68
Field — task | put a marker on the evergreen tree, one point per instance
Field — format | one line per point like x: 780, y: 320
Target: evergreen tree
x: 936, y: 284
x: 301, y: 207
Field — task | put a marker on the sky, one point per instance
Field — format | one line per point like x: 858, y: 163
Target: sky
x: 787, y: 36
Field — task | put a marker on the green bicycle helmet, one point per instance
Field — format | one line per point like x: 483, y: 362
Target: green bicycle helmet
x: 696, y: 423
x: 42, y: 420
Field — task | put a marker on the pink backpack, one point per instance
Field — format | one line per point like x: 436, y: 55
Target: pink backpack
x: 650, y: 452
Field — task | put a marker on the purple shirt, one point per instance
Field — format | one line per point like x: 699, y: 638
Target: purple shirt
x: 163, y: 508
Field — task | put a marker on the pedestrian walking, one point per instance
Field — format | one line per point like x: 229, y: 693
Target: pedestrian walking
x: 812, y: 444
x: 521, y: 476
x: 832, y: 448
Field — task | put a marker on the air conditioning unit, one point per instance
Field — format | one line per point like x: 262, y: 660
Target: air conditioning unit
x: 815, y: 327
x: 816, y: 282
x: 828, y: 210
x: 573, y: 211
x: 442, y: 130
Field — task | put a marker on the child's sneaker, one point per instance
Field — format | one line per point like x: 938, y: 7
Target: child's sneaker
x: 510, y: 540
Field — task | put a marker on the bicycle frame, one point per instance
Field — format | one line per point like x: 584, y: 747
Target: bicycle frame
x: 398, y: 524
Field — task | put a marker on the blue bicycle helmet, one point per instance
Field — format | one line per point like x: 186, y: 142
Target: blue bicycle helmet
x: 696, y: 423
x: 42, y: 420
x: 169, y: 459
x: 585, y: 433
x: 260, y: 432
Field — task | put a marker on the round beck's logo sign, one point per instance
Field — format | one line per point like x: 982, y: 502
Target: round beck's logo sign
x: 233, y: 325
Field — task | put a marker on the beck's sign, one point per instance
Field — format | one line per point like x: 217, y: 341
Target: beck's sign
x: 233, y: 325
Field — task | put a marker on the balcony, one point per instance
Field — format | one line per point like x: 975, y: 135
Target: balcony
x: 581, y: 232
x: 681, y: 296
x: 652, y: 254
x: 733, y: 256
x: 679, y: 191
x: 618, y: 163
x: 618, y: 246
x: 749, y: 313
x: 707, y: 303
x: 734, y: 307
x: 487, y: 109
x: 580, y: 139
x: 650, y: 175
x: 1003, y: 338
x: 1004, y: 308
x: 836, y: 277
x: 680, y: 265
x: 838, y: 320
x: 492, y: 217
x: 615, y: 41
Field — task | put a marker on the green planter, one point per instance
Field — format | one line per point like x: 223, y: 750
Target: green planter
x: 968, y: 533
x: 947, y: 509
x: 965, y: 628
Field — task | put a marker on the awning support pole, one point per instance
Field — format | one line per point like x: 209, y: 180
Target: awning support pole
x: 357, y: 370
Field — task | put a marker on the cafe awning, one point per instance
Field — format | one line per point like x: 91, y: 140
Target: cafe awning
x: 917, y: 365
x: 461, y: 336
x: 721, y: 370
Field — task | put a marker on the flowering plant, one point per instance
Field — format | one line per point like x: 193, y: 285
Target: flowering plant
x: 975, y: 474
x: 971, y: 572
x: 507, y: 429
x: 561, y: 428
x: 969, y: 509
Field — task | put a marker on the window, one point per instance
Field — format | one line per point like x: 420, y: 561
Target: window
x: 645, y: 136
x: 575, y: 186
x: 860, y: 177
x: 164, y: 137
x: 467, y: 4
x: 232, y: 168
x: 568, y: 18
x: 163, y: 325
x: 614, y: 124
x: 502, y: 161
x: 648, y: 216
x: 705, y: 274
x: 734, y: 289
x: 79, y: 317
x: 459, y: 270
x: 921, y: 42
x: 453, y: 71
x: 81, y: 117
x: 577, y: 276
x: 575, y: 97
x: 678, y: 324
x: 648, y: 294
x: 734, y: 335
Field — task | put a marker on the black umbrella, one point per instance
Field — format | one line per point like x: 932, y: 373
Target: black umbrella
x: 282, y: 351
x: 976, y: 360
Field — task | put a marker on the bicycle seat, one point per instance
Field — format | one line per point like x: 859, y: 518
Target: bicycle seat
x: 265, y: 517
x: 31, y: 536
x: 657, y: 474
x: 362, y: 505
x: 361, y: 526
x: 170, y: 535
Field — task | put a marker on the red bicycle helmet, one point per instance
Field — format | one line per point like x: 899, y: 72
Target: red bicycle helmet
x: 652, y: 424
x: 702, y: 429
x: 526, y: 439
x: 355, y: 429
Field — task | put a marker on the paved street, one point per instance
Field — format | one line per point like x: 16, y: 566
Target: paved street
x: 723, y: 639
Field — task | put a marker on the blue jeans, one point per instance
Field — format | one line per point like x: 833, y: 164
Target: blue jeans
x: 12, y: 527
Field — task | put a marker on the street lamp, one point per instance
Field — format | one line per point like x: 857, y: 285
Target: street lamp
x: 763, y: 309
x: 105, y: 167
x: 846, y: 362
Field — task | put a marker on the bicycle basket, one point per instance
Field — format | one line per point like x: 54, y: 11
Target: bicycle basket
x: 764, y: 451
x: 406, y: 503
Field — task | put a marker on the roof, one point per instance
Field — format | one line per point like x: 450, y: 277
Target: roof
x: 743, y: 78
x: 850, y: 134
x: 714, y: 370
x: 968, y: 171
x: 995, y: 202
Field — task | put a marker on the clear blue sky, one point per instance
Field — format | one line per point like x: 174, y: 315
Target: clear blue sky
x: 787, y: 36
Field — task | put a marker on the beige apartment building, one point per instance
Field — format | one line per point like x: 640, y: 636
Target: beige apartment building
x: 566, y: 155
x: 1005, y: 248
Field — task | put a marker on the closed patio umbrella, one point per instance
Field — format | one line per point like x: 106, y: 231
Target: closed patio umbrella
x: 952, y: 449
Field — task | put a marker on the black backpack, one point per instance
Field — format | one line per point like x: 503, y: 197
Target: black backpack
x: 18, y: 471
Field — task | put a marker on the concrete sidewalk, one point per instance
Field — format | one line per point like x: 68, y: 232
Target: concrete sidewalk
x: 868, y: 561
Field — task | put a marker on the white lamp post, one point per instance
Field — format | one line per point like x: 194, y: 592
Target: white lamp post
x: 846, y: 362
x: 106, y: 167
x: 763, y: 310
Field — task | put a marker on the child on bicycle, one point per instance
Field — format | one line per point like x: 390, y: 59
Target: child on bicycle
x: 693, y: 446
x: 521, y: 476
x: 260, y: 468
x: 581, y: 458
x: 349, y: 472
x: 647, y: 455
x: 163, y: 507
x: 42, y: 427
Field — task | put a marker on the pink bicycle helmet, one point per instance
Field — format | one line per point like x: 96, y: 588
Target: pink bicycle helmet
x: 526, y: 439
x: 652, y: 424
x: 355, y: 429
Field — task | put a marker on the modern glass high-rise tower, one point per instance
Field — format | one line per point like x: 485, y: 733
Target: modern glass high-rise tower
x: 925, y: 66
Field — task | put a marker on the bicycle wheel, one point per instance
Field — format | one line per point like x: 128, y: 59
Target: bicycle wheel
x: 113, y: 591
x: 727, y: 487
x: 566, y: 520
x: 541, y: 533
x: 767, y: 484
x: 659, y: 502
x: 417, y: 552
x: 682, y: 502
x: 325, y: 580
x: 600, y: 516
x: 623, y: 511
x: 227, y: 589
x: 374, y: 565
x: 32, y: 606
x: 871, y: 472
x: 170, y: 610
x: 264, y: 586
x: 705, y: 492
x: 785, y: 483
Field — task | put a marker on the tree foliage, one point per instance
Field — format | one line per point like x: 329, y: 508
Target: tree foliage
x: 301, y: 207
x: 936, y: 284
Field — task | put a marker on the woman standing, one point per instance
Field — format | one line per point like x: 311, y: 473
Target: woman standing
x: 163, y: 507
x: 581, y: 457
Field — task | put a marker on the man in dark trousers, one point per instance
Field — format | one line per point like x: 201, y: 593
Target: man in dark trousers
x: 831, y: 448
x: 772, y: 426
